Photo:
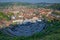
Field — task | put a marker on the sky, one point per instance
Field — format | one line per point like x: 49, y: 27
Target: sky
x: 32, y: 1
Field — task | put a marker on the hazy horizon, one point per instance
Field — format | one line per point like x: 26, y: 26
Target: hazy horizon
x: 32, y: 1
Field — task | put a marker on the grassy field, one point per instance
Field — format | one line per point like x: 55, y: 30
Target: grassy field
x: 3, y: 16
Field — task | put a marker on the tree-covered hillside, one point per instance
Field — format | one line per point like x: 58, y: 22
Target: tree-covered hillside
x: 54, y: 6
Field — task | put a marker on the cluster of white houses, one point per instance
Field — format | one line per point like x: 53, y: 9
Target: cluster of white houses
x: 23, y: 14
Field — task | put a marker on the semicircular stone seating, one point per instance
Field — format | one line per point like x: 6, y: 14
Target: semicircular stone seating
x: 26, y: 29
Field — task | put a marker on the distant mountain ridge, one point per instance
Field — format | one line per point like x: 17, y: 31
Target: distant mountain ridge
x: 38, y: 5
